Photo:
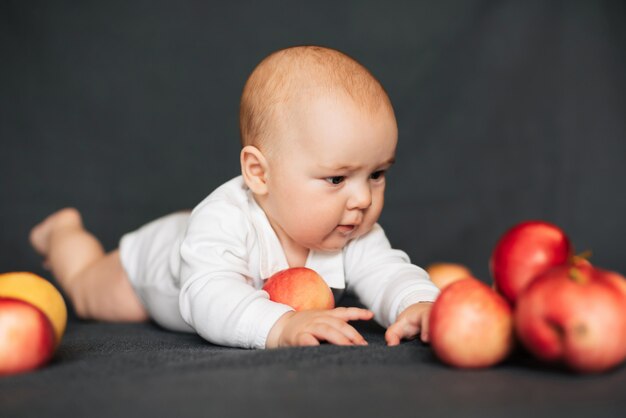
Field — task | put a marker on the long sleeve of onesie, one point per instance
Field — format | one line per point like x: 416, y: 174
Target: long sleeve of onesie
x: 218, y: 297
x: 383, y: 278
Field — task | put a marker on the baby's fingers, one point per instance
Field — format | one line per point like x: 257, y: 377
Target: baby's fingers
x: 338, y: 333
x: 392, y: 338
x: 306, y: 339
x: 425, y: 334
x: 352, y: 314
x: 401, y: 329
x: 350, y: 332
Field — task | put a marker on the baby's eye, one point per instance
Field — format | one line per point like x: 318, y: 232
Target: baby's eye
x: 376, y: 175
x: 335, y: 180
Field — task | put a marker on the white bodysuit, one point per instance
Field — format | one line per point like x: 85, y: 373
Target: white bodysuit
x: 203, y: 272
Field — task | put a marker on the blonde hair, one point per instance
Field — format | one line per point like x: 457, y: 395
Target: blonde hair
x: 289, y: 73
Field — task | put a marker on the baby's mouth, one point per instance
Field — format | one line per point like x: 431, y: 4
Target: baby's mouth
x: 346, y: 229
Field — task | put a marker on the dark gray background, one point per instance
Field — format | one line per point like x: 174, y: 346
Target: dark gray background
x: 507, y: 110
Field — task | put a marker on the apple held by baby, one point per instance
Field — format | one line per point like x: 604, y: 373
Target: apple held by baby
x: 301, y: 288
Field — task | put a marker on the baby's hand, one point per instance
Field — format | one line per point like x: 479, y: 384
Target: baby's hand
x: 312, y: 327
x: 412, y: 321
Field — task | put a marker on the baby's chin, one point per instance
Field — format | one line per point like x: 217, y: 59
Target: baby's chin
x: 334, y: 244
x: 328, y: 247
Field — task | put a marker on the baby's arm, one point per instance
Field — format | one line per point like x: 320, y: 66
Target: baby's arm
x: 398, y: 292
x: 312, y: 327
x: 218, y: 297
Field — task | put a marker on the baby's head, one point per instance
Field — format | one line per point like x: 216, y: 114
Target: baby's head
x: 289, y: 79
x: 318, y: 133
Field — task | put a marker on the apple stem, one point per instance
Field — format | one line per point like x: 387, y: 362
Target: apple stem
x: 577, y: 276
x: 584, y: 256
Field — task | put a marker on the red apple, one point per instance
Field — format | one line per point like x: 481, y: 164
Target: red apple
x: 27, y: 338
x: 301, y: 288
x: 617, y: 279
x: 575, y: 315
x: 523, y: 252
x: 442, y: 274
x: 471, y: 325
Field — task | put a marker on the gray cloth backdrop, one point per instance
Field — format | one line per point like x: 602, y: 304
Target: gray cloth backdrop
x: 507, y: 111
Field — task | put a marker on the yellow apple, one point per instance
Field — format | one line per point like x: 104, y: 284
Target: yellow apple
x: 39, y: 292
x: 442, y: 274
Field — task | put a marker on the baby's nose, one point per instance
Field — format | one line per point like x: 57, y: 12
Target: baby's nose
x: 361, y: 198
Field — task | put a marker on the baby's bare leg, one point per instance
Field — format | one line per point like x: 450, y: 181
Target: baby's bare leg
x: 95, y: 282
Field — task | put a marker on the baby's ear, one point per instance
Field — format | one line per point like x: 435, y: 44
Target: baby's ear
x: 254, y: 169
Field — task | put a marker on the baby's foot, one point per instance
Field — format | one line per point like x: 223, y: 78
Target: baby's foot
x: 40, y: 234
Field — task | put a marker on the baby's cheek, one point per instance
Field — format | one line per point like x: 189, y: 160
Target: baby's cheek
x: 311, y: 227
x: 372, y: 215
x: 364, y: 228
x: 320, y: 214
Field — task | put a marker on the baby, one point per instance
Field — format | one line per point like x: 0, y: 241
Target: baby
x: 318, y: 134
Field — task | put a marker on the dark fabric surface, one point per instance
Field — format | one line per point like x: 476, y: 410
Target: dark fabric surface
x: 140, y: 370
x: 507, y: 110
